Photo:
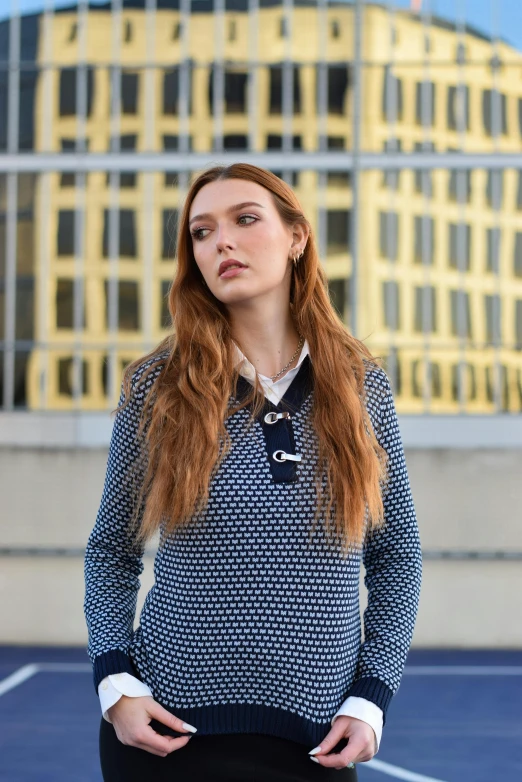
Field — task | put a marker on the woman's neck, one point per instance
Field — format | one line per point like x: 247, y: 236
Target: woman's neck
x: 268, y: 343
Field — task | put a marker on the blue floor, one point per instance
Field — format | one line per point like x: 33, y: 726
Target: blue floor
x: 452, y: 728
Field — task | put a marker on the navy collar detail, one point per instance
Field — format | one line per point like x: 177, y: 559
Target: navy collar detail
x: 296, y: 393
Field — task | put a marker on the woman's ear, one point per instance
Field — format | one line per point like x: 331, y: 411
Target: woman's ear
x: 300, y: 234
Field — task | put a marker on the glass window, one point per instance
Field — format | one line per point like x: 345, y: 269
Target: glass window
x: 171, y: 88
x: 458, y: 107
x: 235, y: 92
x: 275, y: 141
x: 517, y: 265
x: 494, y: 112
x: 504, y: 386
x: 423, y: 179
x: 65, y: 304
x: 338, y: 178
x: 276, y: 89
x: 460, y: 298
x: 495, y: 189
x: 425, y: 308
x: 165, y: 319
x: 391, y: 178
x: 68, y: 179
x: 518, y: 324
x: 469, y: 381
x: 235, y: 141
x: 459, y: 234
x: 65, y: 239
x: 337, y: 85
x: 340, y: 291
x: 459, y: 178
x: 418, y: 367
x: 425, y: 103
x: 519, y: 190
x: 129, y: 92
x: 68, y: 90
x: 335, y: 29
x: 128, y: 305
x: 127, y: 233
x: 65, y: 376
x: 283, y: 27
x: 493, y: 238
x: 424, y: 237
x: 492, y: 304
x: 389, y: 235
x: 170, y: 233
x: 392, y: 100
x: 391, y: 304
x: 338, y: 230
x: 171, y: 144
x: 127, y: 143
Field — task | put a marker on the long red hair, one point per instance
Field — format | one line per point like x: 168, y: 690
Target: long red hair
x: 183, y: 421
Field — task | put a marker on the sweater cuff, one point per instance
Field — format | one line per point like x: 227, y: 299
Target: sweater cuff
x: 111, y: 662
x: 373, y: 690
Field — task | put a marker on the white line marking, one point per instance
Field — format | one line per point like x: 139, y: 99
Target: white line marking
x: 463, y: 670
x: 398, y: 772
x: 18, y: 677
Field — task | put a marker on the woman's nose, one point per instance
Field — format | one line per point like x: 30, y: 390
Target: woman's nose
x: 224, y: 239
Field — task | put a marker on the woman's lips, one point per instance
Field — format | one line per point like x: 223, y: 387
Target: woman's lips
x: 233, y: 272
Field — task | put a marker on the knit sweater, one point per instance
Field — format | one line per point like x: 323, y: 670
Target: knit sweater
x: 248, y: 628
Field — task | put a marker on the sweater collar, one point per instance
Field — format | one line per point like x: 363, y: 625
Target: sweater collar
x: 247, y: 369
x: 296, y: 393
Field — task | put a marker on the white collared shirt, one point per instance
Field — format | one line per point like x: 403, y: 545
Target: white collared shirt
x: 273, y: 390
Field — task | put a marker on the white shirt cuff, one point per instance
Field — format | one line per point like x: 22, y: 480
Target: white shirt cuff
x: 363, y: 710
x: 115, y: 685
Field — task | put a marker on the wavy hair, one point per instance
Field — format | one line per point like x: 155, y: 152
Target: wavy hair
x: 183, y: 430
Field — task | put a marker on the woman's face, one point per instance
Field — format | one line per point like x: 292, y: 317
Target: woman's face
x: 234, y: 221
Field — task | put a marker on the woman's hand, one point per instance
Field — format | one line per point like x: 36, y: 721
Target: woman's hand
x: 131, y: 717
x: 360, y: 747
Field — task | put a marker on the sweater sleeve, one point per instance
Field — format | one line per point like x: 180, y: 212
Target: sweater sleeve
x: 393, y: 563
x: 113, y: 559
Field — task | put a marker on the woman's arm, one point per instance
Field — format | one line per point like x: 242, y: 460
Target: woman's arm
x: 393, y: 562
x: 113, y: 559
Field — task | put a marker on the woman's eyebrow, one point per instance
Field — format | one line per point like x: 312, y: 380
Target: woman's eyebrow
x: 234, y: 208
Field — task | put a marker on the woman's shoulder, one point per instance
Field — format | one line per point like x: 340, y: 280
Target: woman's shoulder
x: 377, y: 391
x: 375, y: 377
x: 147, y: 371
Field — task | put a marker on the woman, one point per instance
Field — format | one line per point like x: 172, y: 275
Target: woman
x: 261, y: 441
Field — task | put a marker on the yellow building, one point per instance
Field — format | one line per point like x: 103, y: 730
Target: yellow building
x: 268, y: 106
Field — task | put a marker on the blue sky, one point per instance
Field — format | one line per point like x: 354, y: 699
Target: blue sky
x: 499, y: 17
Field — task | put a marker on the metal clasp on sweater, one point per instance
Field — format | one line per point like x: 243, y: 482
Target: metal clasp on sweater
x: 271, y: 418
x: 282, y: 456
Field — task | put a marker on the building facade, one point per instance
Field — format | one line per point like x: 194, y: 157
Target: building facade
x: 436, y: 289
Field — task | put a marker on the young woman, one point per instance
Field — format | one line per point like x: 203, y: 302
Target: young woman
x: 260, y: 440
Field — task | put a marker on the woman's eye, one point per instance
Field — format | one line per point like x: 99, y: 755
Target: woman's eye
x: 247, y: 217
x: 197, y: 233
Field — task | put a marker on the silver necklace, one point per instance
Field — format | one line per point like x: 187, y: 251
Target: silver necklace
x: 282, y: 371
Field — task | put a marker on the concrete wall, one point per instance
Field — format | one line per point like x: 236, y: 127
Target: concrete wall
x: 465, y: 499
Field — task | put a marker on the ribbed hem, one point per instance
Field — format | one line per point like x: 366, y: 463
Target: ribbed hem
x: 114, y: 661
x: 251, y: 718
x: 373, y: 690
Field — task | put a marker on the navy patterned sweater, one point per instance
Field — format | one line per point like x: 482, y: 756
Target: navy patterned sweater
x: 250, y: 627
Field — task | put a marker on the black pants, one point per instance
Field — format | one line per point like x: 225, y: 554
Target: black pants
x: 245, y: 757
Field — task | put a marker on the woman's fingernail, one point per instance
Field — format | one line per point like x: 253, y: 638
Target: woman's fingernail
x: 315, y: 750
x: 350, y: 765
x: 189, y: 727
x: 315, y: 760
